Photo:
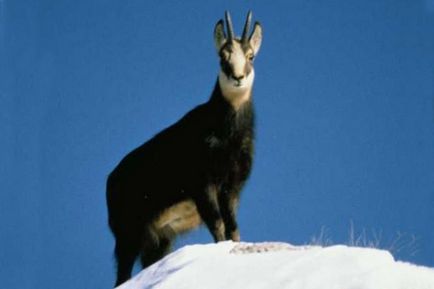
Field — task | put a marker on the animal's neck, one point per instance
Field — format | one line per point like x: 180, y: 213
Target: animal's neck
x: 232, y: 102
x: 234, y: 119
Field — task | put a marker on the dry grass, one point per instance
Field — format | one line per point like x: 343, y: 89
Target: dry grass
x: 402, y: 244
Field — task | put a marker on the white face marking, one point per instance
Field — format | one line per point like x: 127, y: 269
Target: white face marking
x: 237, y: 59
x: 236, y: 92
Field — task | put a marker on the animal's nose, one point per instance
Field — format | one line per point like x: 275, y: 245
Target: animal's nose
x: 238, y: 78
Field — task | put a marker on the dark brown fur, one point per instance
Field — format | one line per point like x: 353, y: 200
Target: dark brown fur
x: 189, y: 173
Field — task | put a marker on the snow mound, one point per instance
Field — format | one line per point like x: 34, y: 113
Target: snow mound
x: 274, y: 265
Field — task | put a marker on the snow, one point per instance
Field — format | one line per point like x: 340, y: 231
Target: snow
x: 274, y: 265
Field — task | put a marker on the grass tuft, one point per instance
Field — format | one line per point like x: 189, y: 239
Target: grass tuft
x: 402, y: 244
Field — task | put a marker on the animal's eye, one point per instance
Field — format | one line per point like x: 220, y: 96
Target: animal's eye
x: 250, y: 57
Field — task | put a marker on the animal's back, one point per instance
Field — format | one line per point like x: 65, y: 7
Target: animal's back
x: 165, y: 170
x: 157, y: 175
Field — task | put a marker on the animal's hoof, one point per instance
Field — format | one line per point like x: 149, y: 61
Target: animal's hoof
x: 235, y: 236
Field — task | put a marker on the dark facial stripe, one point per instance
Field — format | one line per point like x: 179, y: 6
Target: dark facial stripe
x: 225, y: 57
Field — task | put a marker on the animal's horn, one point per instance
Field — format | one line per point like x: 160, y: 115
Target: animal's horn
x: 229, y: 26
x: 244, y: 37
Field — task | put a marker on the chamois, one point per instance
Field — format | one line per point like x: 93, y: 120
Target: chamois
x: 192, y: 171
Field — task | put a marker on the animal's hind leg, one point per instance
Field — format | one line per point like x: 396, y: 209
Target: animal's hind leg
x: 126, y: 252
x: 156, y: 244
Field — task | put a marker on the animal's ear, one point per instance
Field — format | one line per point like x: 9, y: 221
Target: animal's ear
x: 219, y: 35
x: 256, y: 38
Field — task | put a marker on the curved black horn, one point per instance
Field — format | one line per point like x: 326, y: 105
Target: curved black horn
x: 229, y: 26
x: 246, y: 29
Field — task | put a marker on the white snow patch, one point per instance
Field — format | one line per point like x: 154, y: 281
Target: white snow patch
x: 274, y: 265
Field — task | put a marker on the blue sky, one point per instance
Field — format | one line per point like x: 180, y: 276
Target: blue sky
x: 345, y: 123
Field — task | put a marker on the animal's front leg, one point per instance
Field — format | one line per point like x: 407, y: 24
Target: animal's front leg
x: 208, y: 207
x: 228, y: 206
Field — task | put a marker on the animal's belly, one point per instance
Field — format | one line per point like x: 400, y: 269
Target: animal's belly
x: 180, y: 217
